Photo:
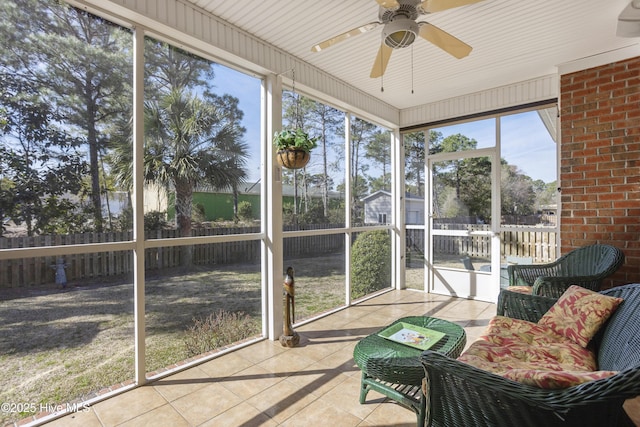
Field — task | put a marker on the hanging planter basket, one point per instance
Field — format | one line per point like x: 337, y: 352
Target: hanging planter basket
x: 293, y: 147
x: 293, y: 159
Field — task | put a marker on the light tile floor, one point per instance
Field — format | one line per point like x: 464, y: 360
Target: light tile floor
x: 265, y: 384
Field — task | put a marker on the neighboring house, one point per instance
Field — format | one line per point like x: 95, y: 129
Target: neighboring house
x: 155, y: 198
x: 549, y: 214
x: 218, y: 203
x: 377, y: 208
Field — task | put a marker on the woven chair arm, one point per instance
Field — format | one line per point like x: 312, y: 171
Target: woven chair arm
x: 471, y: 396
x: 554, y: 286
x: 523, y: 306
x: 526, y: 274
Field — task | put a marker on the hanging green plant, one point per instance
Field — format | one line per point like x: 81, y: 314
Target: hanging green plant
x: 294, y: 148
x: 294, y: 140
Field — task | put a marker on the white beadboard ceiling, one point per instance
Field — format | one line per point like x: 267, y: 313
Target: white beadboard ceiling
x: 512, y: 40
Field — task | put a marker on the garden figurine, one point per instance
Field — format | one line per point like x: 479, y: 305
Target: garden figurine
x: 289, y: 337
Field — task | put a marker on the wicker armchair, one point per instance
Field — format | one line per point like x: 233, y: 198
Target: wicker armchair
x: 461, y: 395
x: 587, y: 267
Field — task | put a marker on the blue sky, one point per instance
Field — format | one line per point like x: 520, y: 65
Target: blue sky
x: 247, y: 90
x: 526, y: 142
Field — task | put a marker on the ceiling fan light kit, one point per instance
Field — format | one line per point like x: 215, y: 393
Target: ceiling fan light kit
x: 401, y: 30
x: 629, y: 20
x: 400, y: 33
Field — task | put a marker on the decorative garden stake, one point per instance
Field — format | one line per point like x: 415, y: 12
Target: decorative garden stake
x: 289, y: 338
x: 61, y: 276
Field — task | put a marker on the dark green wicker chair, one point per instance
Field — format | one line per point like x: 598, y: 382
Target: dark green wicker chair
x: 587, y: 267
x: 462, y: 395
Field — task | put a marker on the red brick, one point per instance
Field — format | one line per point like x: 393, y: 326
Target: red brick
x: 611, y: 196
x: 600, y: 127
x: 625, y: 75
x: 626, y: 221
x: 619, y: 113
x: 585, y: 212
x: 573, y: 206
x: 587, y: 152
x: 613, y: 86
x: 587, y: 168
x: 590, y: 121
x: 615, y: 164
x: 631, y: 206
x: 611, y: 165
x: 627, y: 172
x: 599, y: 174
x: 583, y: 182
x: 609, y: 228
x: 566, y: 191
x: 633, y: 228
x: 574, y: 86
x: 588, y: 108
x: 600, y: 205
x: 622, y: 108
x: 598, y: 159
x: 611, y: 181
x: 584, y: 198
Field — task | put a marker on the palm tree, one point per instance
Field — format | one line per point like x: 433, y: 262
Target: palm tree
x: 189, y: 142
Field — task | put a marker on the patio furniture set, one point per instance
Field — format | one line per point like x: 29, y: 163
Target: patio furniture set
x: 556, y: 354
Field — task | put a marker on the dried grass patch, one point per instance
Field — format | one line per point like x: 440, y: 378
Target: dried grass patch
x: 59, y: 346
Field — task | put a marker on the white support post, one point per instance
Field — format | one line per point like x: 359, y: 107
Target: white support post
x: 138, y: 206
x: 347, y: 206
x: 496, y: 212
x: 398, y: 206
x: 272, y: 215
x: 428, y: 215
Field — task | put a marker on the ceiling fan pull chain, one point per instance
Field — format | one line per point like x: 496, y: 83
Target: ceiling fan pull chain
x: 381, y: 66
x: 411, y: 69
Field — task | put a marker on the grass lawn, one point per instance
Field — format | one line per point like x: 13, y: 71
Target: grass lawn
x: 59, y: 346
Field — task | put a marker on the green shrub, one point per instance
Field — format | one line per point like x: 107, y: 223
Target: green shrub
x: 314, y: 214
x: 198, y: 213
x: 245, y: 210
x: 155, y: 220
x: 370, y: 263
x: 218, y: 330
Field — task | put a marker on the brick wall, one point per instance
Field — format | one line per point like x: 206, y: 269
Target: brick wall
x: 600, y: 162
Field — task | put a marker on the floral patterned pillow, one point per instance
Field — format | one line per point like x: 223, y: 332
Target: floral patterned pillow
x: 521, y: 289
x: 579, y: 313
x: 554, y: 379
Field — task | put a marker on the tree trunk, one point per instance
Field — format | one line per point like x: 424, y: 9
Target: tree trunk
x: 184, y: 201
x: 92, y: 140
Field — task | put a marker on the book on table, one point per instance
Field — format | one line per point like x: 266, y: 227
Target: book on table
x: 412, y: 335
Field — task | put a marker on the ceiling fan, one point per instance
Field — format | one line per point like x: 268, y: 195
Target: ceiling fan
x: 401, y: 29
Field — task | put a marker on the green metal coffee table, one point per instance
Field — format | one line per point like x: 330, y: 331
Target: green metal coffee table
x: 394, y: 369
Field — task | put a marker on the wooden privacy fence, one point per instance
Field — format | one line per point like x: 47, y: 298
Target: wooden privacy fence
x: 15, y: 273
x: 518, y: 241
x: 36, y: 271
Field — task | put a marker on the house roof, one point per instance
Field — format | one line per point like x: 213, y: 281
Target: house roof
x: 379, y: 193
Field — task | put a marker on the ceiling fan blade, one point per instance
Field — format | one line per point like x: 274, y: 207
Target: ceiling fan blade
x: 341, y: 37
x: 430, y: 6
x: 389, y: 4
x: 382, y: 59
x: 444, y: 40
